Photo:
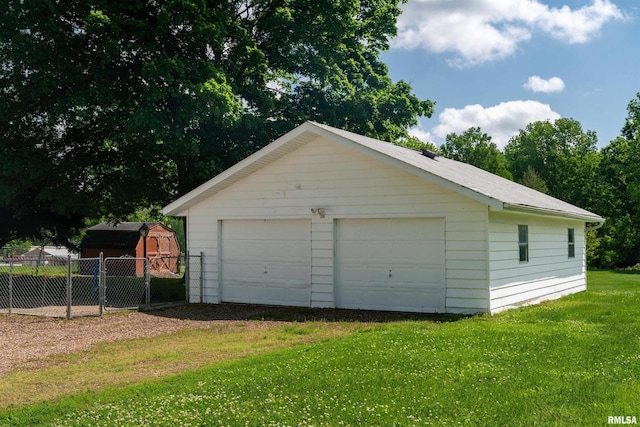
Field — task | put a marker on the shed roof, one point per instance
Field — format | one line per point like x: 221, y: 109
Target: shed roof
x: 124, y: 235
x: 495, y: 191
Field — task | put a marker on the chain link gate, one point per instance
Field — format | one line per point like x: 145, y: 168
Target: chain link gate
x: 126, y: 283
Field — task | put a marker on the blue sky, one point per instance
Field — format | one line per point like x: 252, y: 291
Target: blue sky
x: 501, y: 64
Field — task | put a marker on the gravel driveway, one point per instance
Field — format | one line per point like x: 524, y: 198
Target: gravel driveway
x: 27, y: 340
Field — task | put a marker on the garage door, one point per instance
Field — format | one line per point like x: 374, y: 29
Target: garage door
x: 266, y: 262
x: 390, y: 264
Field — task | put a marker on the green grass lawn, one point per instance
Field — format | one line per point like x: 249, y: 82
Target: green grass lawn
x: 573, y: 362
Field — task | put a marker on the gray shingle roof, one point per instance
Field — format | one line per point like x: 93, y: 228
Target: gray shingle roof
x: 122, y: 226
x: 124, y: 235
x: 510, y: 194
x: 495, y: 191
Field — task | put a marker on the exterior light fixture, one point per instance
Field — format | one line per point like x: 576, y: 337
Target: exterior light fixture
x: 319, y: 211
x: 144, y: 232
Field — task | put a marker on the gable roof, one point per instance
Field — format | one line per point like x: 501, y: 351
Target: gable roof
x: 124, y: 235
x: 475, y: 183
x: 49, y: 251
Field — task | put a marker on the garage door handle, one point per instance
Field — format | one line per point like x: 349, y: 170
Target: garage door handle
x: 390, y: 273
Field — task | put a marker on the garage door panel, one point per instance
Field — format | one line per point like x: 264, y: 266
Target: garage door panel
x: 241, y: 250
x: 287, y: 273
x: 263, y: 293
x: 266, y: 262
x: 294, y: 251
x: 406, y: 276
x: 376, y: 252
x: 251, y: 249
x: 365, y: 275
x: 376, y: 297
x: 248, y: 272
x: 407, y: 301
x: 408, y: 252
x: 390, y: 264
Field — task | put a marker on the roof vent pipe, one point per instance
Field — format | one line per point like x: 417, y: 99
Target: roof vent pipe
x: 428, y: 153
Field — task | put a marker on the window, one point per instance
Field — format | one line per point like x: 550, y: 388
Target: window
x: 572, y: 243
x: 523, y: 242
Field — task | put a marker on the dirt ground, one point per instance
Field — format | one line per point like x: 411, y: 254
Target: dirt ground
x: 27, y: 340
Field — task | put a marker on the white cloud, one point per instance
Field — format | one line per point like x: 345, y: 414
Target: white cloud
x: 421, y: 133
x: 477, y: 31
x: 501, y: 121
x: 538, y: 84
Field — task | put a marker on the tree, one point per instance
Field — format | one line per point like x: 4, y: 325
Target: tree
x: 620, y: 196
x: 564, y: 157
x: 110, y: 106
x: 101, y: 101
x: 532, y: 179
x: 631, y: 128
x: 475, y: 148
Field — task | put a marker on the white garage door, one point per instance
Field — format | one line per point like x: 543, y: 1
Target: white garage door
x: 266, y: 262
x: 390, y: 264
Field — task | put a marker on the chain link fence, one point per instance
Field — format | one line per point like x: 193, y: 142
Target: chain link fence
x: 68, y: 287
x: 194, y: 277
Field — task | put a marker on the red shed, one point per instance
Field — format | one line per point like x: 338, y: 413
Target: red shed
x: 125, y: 239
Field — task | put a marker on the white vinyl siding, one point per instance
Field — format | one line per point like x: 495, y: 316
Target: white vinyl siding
x: 202, y: 238
x: 549, y: 273
x: 348, y: 185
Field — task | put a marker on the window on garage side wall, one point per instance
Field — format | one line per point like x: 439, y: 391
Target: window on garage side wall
x: 523, y: 242
x: 572, y: 243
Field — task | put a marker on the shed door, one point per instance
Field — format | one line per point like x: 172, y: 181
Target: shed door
x: 390, y: 264
x: 266, y: 262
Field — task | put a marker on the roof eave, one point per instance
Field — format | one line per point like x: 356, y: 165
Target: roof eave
x: 586, y: 217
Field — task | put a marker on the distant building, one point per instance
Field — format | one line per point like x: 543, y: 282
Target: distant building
x: 45, y: 255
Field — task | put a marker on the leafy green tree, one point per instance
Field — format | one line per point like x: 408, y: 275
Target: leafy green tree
x: 109, y: 106
x: 619, y: 244
x: 631, y: 128
x: 475, y: 148
x: 564, y: 157
x: 532, y: 179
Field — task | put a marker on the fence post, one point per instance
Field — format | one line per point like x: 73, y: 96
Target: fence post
x: 186, y: 276
x: 10, y: 286
x: 101, y: 282
x: 147, y: 283
x: 68, y: 287
x: 201, y: 277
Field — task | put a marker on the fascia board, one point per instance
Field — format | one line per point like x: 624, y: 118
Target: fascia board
x: 547, y: 213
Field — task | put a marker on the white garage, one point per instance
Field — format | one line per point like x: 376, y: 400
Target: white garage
x: 390, y: 264
x: 322, y: 217
x: 266, y: 262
